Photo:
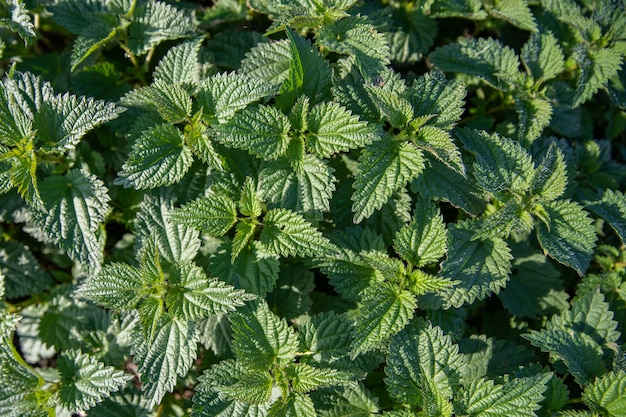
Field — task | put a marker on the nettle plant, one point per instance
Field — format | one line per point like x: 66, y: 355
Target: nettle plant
x: 312, y: 208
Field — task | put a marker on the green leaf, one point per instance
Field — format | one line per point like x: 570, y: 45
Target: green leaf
x: 268, y: 62
x: 576, y: 336
x: 253, y: 270
x: 159, y: 157
x: 179, y: 65
x: 518, y: 397
x: 413, y: 33
x: 262, y: 339
x: 485, y: 58
x: 291, y: 295
x: 542, y: 56
x: 481, y: 266
x: 432, y: 95
x: 171, y: 101
x: 192, y: 295
x: 440, y: 182
x: 535, y: 287
x: 612, y: 208
x: 287, y: 233
x: 607, y: 394
x: 85, y: 381
x: 295, y: 405
x: 550, y: 178
x: 356, y: 37
x: 423, y: 368
x: 439, y: 143
x: 76, y: 205
x: 502, y: 167
x: 596, y: 69
x: 384, y: 167
x: 255, y: 387
x: 569, y: 237
x: 117, y: 286
x: 154, y: 22
x: 20, y: 21
x: 222, y: 95
x: 309, y: 73
x: 261, y: 130
x: 391, y: 104
x: 306, y: 378
x: 333, y: 129
x: 307, y: 189
x: 515, y: 12
x: 215, y: 214
x: 423, y: 241
x: 230, y: 46
x: 176, y: 242
x: 21, y: 272
x: 20, y: 387
x: 327, y: 336
x: 208, y: 402
x: 384, y: 312
x: 23, y: 175
x: 535, y: 114
x: 170, y: 353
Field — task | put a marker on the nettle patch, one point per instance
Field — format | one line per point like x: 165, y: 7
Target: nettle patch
x: 312, y: 208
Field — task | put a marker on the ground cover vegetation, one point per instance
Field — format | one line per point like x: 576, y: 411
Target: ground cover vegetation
x: 312, y: 208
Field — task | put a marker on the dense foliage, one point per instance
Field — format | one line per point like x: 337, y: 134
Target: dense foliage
x: 312, y: 208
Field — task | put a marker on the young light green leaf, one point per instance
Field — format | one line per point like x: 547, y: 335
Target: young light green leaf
x: 21, y: 272
x: 260, y: 130
x: 515, y: 12
x: 159, y: 157
x: 287, y: 233
x: 596, y: 69
x: 518, y: 397
x: 384, y: 312
x: 170, y: 353
x: 262, y: 339
x: 485, y: 58
x: 432, y: 95
x: 542, y: 56
x: 423, y: 241
x: 175, y: 242
x: 306, y: 378
x: 153, y: 22
x: 612, y: 208
x: 215, y: 214
x: 607, y: 394
x: 245, y: 230
x: 192, y: 295
x: 76, y: 205
x: 384, y: 167
x: 222, y: 95
x: 423, y: 368
x: 481, y: 267
x: 179, y: 65
x: 569, y: 237
x: 502, y: 166
x: 550, y: 178
x: 85, y: 381
x: 392, y: 105
x: 23, y: 175
x: 333, y: 129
